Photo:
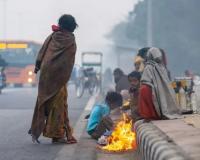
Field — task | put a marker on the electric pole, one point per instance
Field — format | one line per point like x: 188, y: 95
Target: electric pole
x: 4, y: 20
x: 149, y: 24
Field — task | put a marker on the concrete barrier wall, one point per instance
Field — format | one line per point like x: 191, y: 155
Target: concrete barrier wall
x: 153, y: 144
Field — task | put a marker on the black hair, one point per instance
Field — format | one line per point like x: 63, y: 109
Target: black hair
x: 118, y: 71
x: 67, y: 22
x: 135, y: 74
x: 114, y: 98
x: 143, y: 52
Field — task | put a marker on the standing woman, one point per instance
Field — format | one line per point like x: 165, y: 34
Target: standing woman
x: 55, y: 62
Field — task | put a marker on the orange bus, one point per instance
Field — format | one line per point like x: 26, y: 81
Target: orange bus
x: 20, y: 57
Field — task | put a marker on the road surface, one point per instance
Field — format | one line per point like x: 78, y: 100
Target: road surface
x: 16, y: 109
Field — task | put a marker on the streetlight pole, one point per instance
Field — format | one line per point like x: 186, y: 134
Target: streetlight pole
x: 149, y: 24
x: 4, y: 20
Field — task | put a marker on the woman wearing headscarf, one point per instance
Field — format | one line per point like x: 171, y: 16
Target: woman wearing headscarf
x: 55, y: 62
x: 156, y: 97
x: 140, y: 59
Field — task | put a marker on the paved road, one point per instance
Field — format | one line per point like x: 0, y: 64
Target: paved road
x: 16, y: 109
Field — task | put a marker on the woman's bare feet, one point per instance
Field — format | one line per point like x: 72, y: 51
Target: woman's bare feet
x: 35, y: 140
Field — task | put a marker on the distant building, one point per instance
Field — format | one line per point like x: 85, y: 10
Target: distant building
x: 124, y: 50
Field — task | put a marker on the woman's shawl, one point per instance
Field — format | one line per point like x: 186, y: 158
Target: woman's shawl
x: 55, y: 60
x: 155, y: 75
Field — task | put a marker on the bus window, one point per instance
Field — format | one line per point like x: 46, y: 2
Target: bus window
x: 20, y: 57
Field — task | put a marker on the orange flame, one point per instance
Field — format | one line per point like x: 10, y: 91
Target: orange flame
x: 122, y: 138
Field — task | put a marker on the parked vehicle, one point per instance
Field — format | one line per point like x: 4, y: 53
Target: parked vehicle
x: 89, y: 81
x: 89, y: 74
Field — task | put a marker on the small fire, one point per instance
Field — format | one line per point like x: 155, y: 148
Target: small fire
x: 122, y: 138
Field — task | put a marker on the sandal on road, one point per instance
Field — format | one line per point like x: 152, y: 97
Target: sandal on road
x: 59, y: 141
x: 71, y: 141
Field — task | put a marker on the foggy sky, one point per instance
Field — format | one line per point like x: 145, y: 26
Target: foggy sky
x: 32, y: 19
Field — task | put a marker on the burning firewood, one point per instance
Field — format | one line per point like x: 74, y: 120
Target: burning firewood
x: 122, y: 137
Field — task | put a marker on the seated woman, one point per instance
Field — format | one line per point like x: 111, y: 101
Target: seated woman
x: 156, y: 97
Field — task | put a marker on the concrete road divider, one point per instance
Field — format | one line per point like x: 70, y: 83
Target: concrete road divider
x: 153, y: 144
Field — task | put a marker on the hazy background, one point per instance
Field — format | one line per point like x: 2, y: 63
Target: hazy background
x: 117, y: 28
x: 175, y: 28
x: 32, y: 20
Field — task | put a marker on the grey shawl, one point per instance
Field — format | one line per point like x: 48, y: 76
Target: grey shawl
x: 155, y: 75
